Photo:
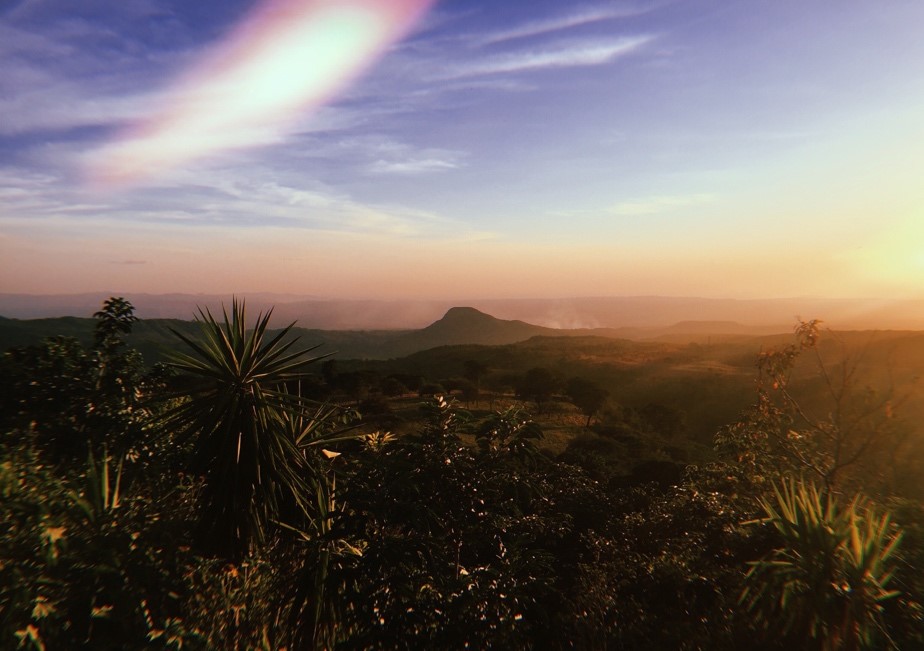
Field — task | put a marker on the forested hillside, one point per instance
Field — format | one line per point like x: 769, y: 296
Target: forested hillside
x: 558, y: 492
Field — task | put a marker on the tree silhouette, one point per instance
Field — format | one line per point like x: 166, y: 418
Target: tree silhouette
x: 538, y: 385
x: 586, y: 396
x: 115, y: 321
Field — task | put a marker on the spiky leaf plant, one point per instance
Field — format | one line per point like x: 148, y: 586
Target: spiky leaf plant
x: 827, y: 586
x: 238, y: 414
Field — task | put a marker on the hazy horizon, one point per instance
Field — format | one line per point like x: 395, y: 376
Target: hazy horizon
x: 628, y: 312
x: 424, y: 150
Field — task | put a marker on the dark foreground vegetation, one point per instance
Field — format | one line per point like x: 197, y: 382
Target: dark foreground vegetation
x: 234, y: 499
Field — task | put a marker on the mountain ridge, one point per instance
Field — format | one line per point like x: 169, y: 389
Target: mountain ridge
x: 560, y: 313
x: 460, y: 325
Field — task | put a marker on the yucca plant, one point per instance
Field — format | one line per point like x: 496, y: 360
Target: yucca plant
x: 239, y: 415
x: 101, y: 495
x: 315, y: 614
x: 828, y: 584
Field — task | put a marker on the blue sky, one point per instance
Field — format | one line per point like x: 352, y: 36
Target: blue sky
x: 498, y: 149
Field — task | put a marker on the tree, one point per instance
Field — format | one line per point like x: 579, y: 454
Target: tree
x: 474, y: 371
x: 392, y: 387
x: 77, y: 400
x: 431, y: 389
x: 120, y: 372
x: 465, y: 387
x: 115, y: 321
x: 354, y: 384
x: 821, y: 420
x: 586, y: 396
x: 538, y: 385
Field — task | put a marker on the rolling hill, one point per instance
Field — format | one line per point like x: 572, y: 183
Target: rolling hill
x: 458, y: 326
x: 638, y: 312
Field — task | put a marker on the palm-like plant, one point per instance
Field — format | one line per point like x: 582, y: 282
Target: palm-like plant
x: 830, y: 580
x: 239, y: 415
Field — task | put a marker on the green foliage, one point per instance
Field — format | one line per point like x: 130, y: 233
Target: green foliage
x: 847, y: 439
x: 75, y: 400
x: 664, y: 572
x: 455, y: 533
x: 82, y: 565
x: 115, y: 321
x: 237, y: 413
x: 434, y: 550
x: 511, y: 432
x: 830, y: 580
x: 46, y: 391
x: 229, y: 606
x: 102, y: 494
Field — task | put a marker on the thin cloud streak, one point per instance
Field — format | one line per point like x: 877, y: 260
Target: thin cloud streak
x: 559, y: 23
x: 412, y: 166
x: 232, y: 200
x: 564, y: 56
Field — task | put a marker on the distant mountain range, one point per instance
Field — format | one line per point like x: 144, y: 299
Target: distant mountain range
x: 459, y: 326
x: 710, y: 381
x: 633, y: 312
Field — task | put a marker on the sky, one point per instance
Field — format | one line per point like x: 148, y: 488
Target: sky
x: 463, y: 148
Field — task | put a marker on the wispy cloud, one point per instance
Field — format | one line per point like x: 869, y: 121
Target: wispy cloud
x: 233, y: 199
x: 70, y: 75
x: 381, y: 154
x: 393, y: 157
x: 412, y: 166
x: 581, y: 17
x: 61, y: 106
x: 587, y: 53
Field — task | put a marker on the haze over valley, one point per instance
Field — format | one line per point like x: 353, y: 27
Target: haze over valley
x: 638, y: 316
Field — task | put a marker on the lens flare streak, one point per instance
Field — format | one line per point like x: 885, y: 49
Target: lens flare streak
x: 283, y: 60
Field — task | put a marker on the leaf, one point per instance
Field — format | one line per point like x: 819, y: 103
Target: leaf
x: 54, y: 534
x: 42, y: 608
x: 30, y: 633
x: 101, y: 611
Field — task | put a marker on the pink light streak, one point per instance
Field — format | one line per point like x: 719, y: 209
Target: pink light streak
x: 285, y: 58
